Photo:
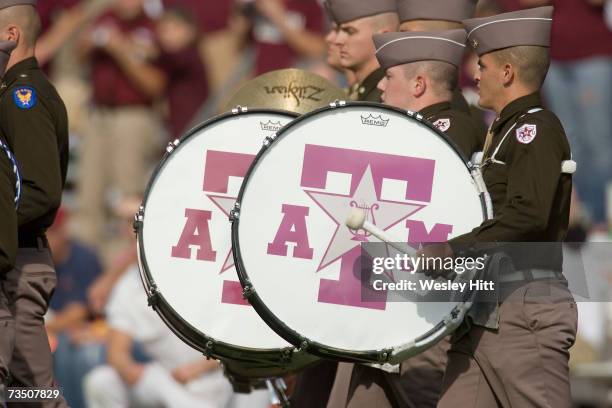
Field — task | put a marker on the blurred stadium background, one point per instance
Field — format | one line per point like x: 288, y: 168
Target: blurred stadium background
x: 136, y: 74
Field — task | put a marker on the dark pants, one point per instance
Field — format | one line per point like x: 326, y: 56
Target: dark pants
x: 417, y: 385
x: 27, y: 290
x: 524, y: 363
x: 313, y: 385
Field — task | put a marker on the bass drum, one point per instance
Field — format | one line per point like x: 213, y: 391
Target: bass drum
x: 184, y: 245
x: 297, y: 260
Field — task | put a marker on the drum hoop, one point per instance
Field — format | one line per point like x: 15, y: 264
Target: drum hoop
x: 389, y: 355
x: 194, y: 338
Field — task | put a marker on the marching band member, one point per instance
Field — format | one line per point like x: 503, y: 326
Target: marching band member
x: 516, y: 354
x: 421, y: 75
x: 422, y: 70
x: 8, y: 240
x: 35, y: 125
x: 356, y: 23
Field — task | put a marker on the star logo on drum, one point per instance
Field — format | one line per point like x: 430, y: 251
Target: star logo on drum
x: 225, y: 204
x: 383, y: 213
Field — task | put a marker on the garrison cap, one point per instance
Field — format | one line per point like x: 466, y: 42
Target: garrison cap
x: 10, y: 3
x: 447, y: 10
x: 524, y: 27
x: 343, y: 11
x: 405, y: 47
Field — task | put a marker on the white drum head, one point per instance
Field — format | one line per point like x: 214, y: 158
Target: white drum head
x: 184, y: 238
x: 291, y: 242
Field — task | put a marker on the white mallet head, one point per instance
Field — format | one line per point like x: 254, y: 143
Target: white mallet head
x: 356, y: 219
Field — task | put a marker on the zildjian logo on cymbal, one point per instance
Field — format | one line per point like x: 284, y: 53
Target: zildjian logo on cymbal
x: 374, y: 120
x: 299, y: 93
x: 271, y: 126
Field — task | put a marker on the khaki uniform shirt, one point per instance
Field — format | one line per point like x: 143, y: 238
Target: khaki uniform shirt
x: 34, y: 122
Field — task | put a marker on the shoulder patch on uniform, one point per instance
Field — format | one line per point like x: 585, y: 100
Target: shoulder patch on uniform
x: 25, y: 97
x: 526, y: 133
x: 442, y: 124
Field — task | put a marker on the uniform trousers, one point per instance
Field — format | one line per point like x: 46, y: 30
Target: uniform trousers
x: 24, y: 345
x: 524, y: 363
x: 417, y: 385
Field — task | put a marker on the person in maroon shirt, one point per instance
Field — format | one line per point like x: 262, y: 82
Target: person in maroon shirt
x: 123, y: 136
x: 578, y: 89
x: 210, y: 15
x: 187, y: 85
x: 284, y: 31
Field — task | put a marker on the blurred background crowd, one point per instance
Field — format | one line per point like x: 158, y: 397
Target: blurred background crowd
x: 136, y: 74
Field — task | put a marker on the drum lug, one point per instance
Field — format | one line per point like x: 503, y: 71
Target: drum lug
x: 240, y: 109
x: 414, y: 114
x: 269, y: 139
x: 286, y: 356
x: 208, y: 348
x: 172, y: 145
x: 138, y: 218
x: 337, y: 103
x: 153, y: 297
x: 304, y: 345
x: 247, y: 292
x: 384, y: 356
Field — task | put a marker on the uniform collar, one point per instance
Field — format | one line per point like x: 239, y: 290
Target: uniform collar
x: 520, y: 105
x: 370, y: 82
x: 434, y: 109
x: 13, y: 73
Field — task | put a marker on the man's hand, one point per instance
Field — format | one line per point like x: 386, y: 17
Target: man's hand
x: 132, y: 373
x: 188, y: 372
x: 273, y: 10
x: 433, y: 256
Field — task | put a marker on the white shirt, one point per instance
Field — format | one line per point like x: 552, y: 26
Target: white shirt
x: 127, y: 311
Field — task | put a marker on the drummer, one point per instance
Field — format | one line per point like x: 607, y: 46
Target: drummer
x: 422, y: 70
x: 516, y: 355
x: 356, y: 22
x: 437, y: 15
x: 421, y: 74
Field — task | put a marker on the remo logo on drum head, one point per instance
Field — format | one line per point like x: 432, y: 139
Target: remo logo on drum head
x: 297, y: 260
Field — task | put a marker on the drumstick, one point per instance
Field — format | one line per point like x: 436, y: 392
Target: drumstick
x: 357, y: 220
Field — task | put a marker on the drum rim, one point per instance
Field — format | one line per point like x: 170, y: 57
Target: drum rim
x: 290, y: 335
x: 195, y: 338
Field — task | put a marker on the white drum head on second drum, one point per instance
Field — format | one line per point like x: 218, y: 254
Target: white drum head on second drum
x: 297, y: 254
